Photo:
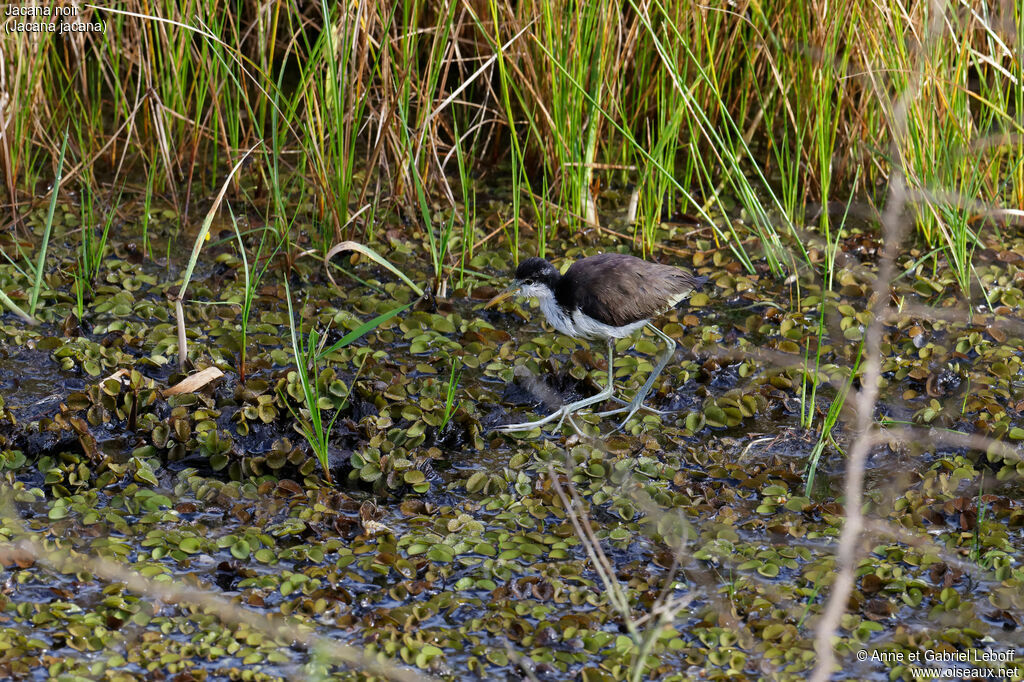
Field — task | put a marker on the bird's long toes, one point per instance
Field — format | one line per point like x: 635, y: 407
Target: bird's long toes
x: 631, y: 409
x: 514, y: 428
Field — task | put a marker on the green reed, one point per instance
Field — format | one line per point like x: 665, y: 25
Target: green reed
x: 40, y: 268
x: 451, y: 390
x: 253, y: 275
x: 744, y: 119
x: 312, y: 423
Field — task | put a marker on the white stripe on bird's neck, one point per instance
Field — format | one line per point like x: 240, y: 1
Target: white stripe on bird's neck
x: 575, y: 323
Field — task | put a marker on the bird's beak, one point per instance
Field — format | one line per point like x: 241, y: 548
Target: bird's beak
x: 507, y: 293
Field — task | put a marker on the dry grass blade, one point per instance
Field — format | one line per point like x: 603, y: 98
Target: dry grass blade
x: 194, y: 382
x: 864, y: 402
x: 469, y: 81
x: 893, y: 229
x: 201, y: 237
x: 371, y: 254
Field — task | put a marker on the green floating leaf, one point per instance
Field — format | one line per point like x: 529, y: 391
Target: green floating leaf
x: 189, y: 545
x: 476, y: 482
x: 241, y: 549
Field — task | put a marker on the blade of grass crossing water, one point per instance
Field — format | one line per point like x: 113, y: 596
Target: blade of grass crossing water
x: 363, y: 329
x: 376, y: 257
x: 197, y: 247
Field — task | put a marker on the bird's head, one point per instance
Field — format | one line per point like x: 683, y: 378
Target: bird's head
x: 534, y: 278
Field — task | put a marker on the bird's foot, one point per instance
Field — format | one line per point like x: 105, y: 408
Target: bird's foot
x: 630, y: 409
x: 630, y: 405
x: 560, y: 414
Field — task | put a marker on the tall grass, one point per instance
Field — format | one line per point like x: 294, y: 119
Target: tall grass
x: 202, y: 236
x: 771, y: 108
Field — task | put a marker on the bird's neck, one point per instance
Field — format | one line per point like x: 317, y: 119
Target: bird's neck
x: 556, y: 316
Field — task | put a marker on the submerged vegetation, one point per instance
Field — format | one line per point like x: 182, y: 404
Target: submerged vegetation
x: 248, y: 385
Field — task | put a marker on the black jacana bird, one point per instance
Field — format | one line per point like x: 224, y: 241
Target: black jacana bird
x: 605, y: 297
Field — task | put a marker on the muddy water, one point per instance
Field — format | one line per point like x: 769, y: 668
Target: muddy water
x: 448, y: 547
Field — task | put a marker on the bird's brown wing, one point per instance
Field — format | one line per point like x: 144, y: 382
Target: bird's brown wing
x: 618, y: 290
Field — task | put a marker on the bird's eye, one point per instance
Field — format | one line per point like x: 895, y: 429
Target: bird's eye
x: 527, y: 281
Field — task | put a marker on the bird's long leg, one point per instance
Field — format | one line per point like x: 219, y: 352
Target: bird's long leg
x: 566, y: 410
x: 637, y: 402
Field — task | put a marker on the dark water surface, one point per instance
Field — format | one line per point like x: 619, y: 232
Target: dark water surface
x: 448, y: 548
